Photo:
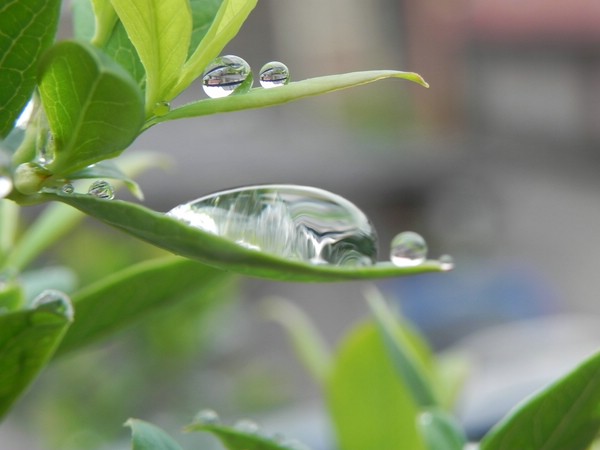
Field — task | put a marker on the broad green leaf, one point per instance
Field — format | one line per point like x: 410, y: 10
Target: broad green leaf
x: 565, y: 415
x: 120, y: 299
x: 94, y: 108
x: 310, y: 346
x: 226, y: 24
x: 106, y: 18
x: 11, y: 297
x: 83, y: 19
x: 27, y: 29
x: 145, y: 436
x: 235, y: 439
x: 161, y: 32
x: 9, y: 219
x: 262, y: 98
x: 28, y: 339
x: 371, y: 408
x: 203, y: 14
x: 440, y: 430
x: 122, y: 51
x: 179, y: 238
x: 403, y: 352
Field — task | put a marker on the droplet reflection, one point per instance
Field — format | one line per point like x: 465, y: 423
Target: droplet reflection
x: 102, y: 189
x: 274, y: 74
x: 408, y: 249
x: 226, y: 75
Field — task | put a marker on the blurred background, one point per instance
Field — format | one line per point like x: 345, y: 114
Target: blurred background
x: 497, y: 164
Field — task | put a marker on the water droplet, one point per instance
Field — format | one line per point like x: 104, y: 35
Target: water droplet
x: 102, y: 189
x: 55, y: 301
x: 274, y: 74
x: 408, y: 249
x: 207, y: 417
x: 446, y: 262
x: 67, y: 188
x: 161, y: 108
x: 226, y: 75
x: 6, y: 186
x: 246, y: 426
x: 293, y: 222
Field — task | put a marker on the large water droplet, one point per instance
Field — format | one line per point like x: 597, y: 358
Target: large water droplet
x: 293, y: 222
x: 6, y: 186
x: 102, y: 189
x: 274, y: 74
x: 207, y: 417
x: 226, y: 75
x: 408, y: 249
x: 55, y: 301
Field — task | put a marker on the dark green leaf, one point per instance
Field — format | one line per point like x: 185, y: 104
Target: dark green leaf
x: 234, y: 439
x: 94, y: 107
x: 262, y: 98
x: 122, y: 298
x: 27, y: 29
x: 440, y: 430
x: 28, y: 339
x: 179, y: 238
x: 371, y: 408
x: 145, y: 436
x: 565, y: 415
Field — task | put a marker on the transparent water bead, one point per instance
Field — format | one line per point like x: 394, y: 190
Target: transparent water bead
x: 67, y: 188
x: 6, y: 186
x: 161, y: 108
x: 247, y: 426
x: 207, y: 417
x: 293, y: 222
x: 274, y: 74
x: 102, y: 189
x: 226, y: 75
x: 56, y: 301
x: 408, y: 249
x: 446, y: 262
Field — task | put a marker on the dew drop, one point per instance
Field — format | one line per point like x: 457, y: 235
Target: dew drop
x: 274, y: 74
x: 102, y: 189
x: 293, y: 222
x: 55, y: 301
x: 207, y: 417
x: 446, y: 262
x: 246, y: 426
x: 226, y: 75
x: 67, y: 188
x: 6, y: 186
x: 161, y: 108
x: 408, y: 249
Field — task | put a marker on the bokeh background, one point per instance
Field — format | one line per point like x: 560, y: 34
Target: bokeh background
x: 497, y: 164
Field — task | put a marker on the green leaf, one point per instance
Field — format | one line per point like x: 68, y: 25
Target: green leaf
x: 145, y: 436
x: 228, y: 21
x: 404, y: 354
x: 106, y: 18
x: 565, y: 415
x: 203, y: 14
x: 83, y: 19
x: 11, y: 297
x: 122, y: 51
x: 120, y: 299
x: 440, y: 430
x: 161, y: 32
x: 262, y: 98
x: 177, y: 237
x: 94, y: 108
x: 28, y: 29
x: 28, y: 339
x: 371, y: 408
x: 234, y: 439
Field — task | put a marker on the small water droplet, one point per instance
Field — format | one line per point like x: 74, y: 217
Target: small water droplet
x: 207, y: 417
x: 246, y: 426
x: 274, y: 74
x: 293, y: 222
x: 408, y: 249
x: 102, y: 189
x: 6, y: 186
x: 56, y: 301
x: 227, y: 75
x: 446, y: 262
x: 161, y: 108
x: 67, y: 188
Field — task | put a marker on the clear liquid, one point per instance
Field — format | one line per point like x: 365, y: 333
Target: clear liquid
x: 274, y: 74
x: 102, y: 189
x: 293, y: 222
x: 408, y: 249
x: 226, y: 75
x: 55, y: 301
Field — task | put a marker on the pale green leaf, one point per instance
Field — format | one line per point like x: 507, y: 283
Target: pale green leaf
x: 235, y: 439
x: 93, y: 106
x: 27, y: 28
x: 177, y: 237
x: 565, y: 415
x: 440, y: 430
x: 145, y: 436
x: 161, y: 32
x: 262, y: 98
x: 106, y: 18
